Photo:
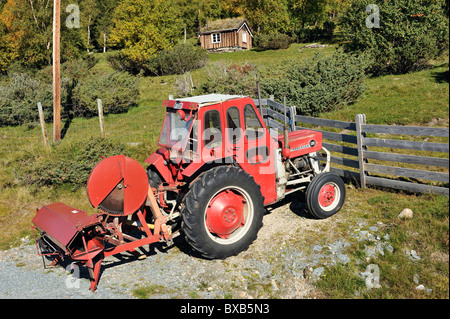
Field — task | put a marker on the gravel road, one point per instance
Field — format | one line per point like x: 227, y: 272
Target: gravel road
x: 283, y: 262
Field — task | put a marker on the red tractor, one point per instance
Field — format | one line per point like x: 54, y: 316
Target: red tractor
x: 217, y: 168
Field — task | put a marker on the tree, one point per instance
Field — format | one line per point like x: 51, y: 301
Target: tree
x: 89, y: 12
x: 144, y: 27
x: 307, y: 12
x: 267, y: 16
x: 105, y: 22
x: 27, y: 25
x: 10, y: 37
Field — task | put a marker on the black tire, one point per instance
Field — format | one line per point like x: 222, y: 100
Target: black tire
x: 198, y: 202
x: 325, y: 195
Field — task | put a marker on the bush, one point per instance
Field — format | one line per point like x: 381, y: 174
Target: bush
x: 118, y: 91
x: 273, y: 41
x: 19, y: 95
x: 314, y: 34
x: 66, y: 164
x: 180, y: 59
x: 121, y: 63
x: 229, y: 78
x: 409, y: 35
x: 320, y: 84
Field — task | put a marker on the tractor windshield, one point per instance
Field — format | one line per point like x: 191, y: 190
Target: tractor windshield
x: 175, y: 131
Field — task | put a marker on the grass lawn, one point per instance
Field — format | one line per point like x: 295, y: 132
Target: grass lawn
x: 418, y: 98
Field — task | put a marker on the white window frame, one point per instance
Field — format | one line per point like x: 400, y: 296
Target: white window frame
x: 244, y: 36
x: 216, y: 37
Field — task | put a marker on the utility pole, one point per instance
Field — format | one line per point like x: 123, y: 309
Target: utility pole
x: 56, y: 70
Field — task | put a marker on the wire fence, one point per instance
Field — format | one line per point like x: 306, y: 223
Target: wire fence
x: 134, y: 129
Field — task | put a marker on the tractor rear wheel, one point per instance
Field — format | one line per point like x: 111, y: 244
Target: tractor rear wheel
x: 325, y: 195
x: 223, y: 212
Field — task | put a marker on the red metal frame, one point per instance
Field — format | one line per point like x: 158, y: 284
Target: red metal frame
x: 93, y: 252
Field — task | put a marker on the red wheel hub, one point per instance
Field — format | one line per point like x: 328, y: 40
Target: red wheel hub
x: 225, y: 213
x: 327, y: 195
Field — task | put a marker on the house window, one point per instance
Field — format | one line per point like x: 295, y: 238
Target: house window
x: 215, y: 37
x: 244, y: 36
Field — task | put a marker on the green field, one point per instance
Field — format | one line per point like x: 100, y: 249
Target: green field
x: 420, y: 98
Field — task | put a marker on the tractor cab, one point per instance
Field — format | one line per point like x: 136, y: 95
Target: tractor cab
x: 217, y: 129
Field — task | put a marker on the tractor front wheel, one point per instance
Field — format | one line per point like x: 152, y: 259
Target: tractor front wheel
x: 325, y: 195
x: 223, y: 212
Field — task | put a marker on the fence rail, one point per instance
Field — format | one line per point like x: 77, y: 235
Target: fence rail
x: 360, y: 168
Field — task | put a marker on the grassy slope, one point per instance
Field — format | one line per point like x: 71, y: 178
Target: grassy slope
x: 414, y: 99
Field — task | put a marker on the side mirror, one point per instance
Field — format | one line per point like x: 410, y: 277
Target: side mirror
x: 181, y: 114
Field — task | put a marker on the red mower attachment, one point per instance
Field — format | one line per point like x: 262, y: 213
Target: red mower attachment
x: 118, y: 187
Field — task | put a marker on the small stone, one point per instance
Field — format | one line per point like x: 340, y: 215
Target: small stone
x: 415, y: 255
x: 420, y: 287
x: 406, y: 214
x: 343, y: 258
x: 317, y: 272
x: 274, y: 285
x: 373, y: 228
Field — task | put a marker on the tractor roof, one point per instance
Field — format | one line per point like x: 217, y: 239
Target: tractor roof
x: 200, y: 100
x: 210, y: 98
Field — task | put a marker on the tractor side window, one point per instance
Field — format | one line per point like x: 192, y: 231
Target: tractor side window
x: 233, y: 125
x: 253, y: 127
x: 212, y: 131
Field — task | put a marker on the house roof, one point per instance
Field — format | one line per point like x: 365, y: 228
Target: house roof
x: 225, y: 25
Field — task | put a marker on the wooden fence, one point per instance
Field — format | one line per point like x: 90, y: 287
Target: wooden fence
x: 355, y: 161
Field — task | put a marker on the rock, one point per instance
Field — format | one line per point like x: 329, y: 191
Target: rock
x: 317, y: 272
x: 406, y: 214
x: 389, y: 248
x: 415, y: 255
x: 343, y: 258
x: 416, y: 278
x: 420, y: 287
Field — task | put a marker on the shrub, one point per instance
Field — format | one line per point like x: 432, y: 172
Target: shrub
x: 320, y: 84
x: 118, y: 91
x: 316, y: 85
x: 121, y: 63
x: 409, y: 34
x: 314, y: 34
x: 229, y: 78
x: 66, y: 164
x: 273, y: 41
x: 180, y: 59
x: 19, y: 95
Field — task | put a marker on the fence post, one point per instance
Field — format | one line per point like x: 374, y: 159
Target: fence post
x: 292, y: 119
x: 100, y: 117
x: 361, y: 120
x: 41, y: 119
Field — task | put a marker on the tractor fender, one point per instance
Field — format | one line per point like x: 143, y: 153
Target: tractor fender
x: 195, y: 168
x: 158, y: 160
